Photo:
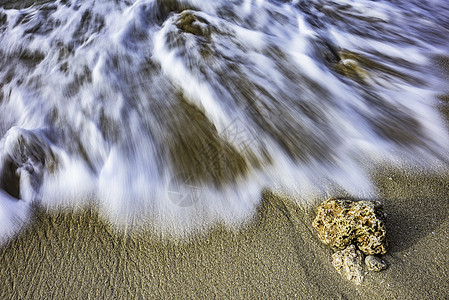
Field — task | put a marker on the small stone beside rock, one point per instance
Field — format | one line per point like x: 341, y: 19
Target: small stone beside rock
x: 349, y: 262
x: 374, y: 263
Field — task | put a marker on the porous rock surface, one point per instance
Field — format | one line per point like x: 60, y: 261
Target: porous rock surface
x: 342, y: 222
x: 349, y: 262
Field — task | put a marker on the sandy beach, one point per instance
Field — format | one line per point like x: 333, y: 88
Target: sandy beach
x: 278, y: 255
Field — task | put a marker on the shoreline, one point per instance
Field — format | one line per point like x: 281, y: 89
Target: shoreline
x: 278, y: 254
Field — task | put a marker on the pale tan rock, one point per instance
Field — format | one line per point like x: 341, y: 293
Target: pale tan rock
x: 341, y: 223
x: 374, y: 263
x: 349, y: 262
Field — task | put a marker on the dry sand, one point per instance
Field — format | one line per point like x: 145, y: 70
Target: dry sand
x: 278, y: 255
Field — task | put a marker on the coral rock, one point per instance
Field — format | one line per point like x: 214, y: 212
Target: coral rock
x: 349, y: 262
x: 341, y: 223
x: 374, y: 263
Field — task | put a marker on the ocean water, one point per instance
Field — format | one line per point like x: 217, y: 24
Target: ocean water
x: 177, y: 114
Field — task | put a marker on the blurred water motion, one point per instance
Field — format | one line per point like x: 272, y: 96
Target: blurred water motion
x: 176, y: 114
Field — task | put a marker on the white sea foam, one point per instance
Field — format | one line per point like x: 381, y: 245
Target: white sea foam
x: 94, y: 96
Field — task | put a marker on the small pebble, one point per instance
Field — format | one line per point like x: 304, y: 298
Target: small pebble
x: 374, y: 263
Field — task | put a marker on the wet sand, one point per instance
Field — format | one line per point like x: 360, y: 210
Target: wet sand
x: 277, y: 255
